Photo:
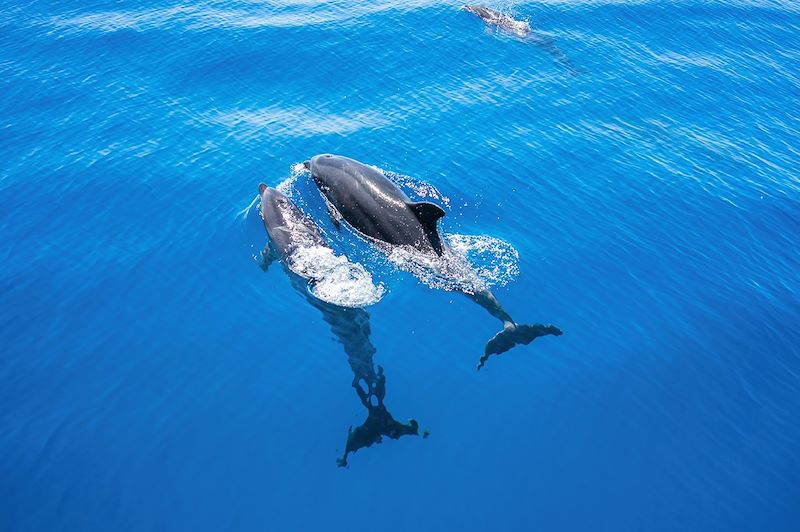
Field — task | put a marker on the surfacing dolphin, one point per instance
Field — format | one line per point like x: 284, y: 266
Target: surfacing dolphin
x: 522, y: 30
x: 366, y: 199
x: 519, y: 28
x: 291, y: 235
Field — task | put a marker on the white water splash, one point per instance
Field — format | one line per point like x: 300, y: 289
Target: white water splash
x: 286, y: 187
x: 420, y: 189
x: 334, y: 279
x: 494, y: 260
x: 469, y: 264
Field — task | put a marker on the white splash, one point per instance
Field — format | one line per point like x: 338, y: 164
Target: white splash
x: 469, y: 264
x: 335, y: 279
x: 286, y: 187
x: 420, y: 189
x: 494, y: 260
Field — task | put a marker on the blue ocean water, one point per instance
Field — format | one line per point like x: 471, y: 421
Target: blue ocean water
x: 153, y: 377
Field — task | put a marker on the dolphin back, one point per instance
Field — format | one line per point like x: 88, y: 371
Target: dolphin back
x: 374, y: 205
x: 287, y: 226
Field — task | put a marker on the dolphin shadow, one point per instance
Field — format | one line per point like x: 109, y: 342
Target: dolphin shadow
x: 548, y: 43
x: 291, y: 232
x: 351, y: 326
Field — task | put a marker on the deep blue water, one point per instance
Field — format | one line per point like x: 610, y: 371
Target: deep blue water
x: 153, y: 377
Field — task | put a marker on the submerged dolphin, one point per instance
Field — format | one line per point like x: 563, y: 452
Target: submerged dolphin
x: 377, y: 208
x: 520, y: 29
x: 291, y: 233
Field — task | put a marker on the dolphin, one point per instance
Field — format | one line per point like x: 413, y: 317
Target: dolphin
x: 290, y: 233
x: 522, y: 30
x: 367, y: 200
x: 374, y: 205
x: 289, y: 229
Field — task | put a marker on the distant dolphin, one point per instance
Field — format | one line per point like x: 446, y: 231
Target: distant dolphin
x: 290, y: 233
x: 377, y: 208
x: 522, y: 30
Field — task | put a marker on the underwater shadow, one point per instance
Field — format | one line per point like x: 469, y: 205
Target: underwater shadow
x: 297, y: 242
x: 351, y: 326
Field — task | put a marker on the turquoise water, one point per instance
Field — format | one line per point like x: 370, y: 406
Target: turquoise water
x: 644, y: 197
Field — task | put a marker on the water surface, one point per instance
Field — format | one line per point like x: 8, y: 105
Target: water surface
x: 152, y: 377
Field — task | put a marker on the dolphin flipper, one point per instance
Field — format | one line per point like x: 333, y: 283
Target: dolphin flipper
x: 335, y: 215
x: 336, y: 218
x: 268, y: 256
x: 513, y: 335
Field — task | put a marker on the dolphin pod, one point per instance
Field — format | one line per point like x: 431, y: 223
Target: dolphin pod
x: 364, y: 198
x: 291, y: 231
x: 373, y: 205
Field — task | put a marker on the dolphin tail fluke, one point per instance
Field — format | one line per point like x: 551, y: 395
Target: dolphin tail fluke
x: 512, y: 335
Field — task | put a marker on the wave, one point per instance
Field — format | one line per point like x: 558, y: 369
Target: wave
x: 215, y: 15
x: 295, y: 122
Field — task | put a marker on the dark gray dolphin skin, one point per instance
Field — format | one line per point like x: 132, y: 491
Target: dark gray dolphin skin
x: 374, y: 205
x: 522, y: 30
x: 289, y: 229
x: 377, y: 208
x: 287, y: 226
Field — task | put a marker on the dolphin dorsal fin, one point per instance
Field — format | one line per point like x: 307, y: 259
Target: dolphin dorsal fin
x: 428, y: 214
